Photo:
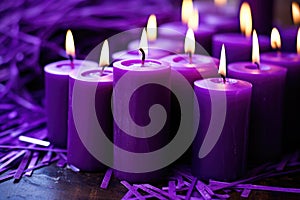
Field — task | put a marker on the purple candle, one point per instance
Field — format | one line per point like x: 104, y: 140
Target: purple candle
x: 137, y: 129
x: 266, y: 115
x: 86, y: 80
x: 239, y: 45
x: 56, y: 94
x: 290, y: 61
x: 219, y: 150
x: 153, y: 52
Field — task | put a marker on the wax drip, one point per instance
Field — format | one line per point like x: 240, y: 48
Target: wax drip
x: 143, y: 55
x: 71, y: 61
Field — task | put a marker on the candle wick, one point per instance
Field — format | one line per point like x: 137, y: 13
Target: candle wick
x: 102, y: 69
x: 71, y: 61
x: 143, y: 55
x: 257, y: 65
x: 190, y: 58
x: 224, y: 78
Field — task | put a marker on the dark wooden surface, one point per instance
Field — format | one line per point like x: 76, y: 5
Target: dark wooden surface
x: 61, y: 183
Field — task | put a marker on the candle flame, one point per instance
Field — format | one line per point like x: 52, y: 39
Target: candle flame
x: 220, y: 3
x: 144, y: 42
x: 152, y: 28
x: 69, y: 44
x: 193, y: 22
x: 104, y: 56
x: 298, y: 41
x: 222, y: 65
x: 275, y: 39
x: 186, y: 10
x: 255, y: 48
x: 246, y: 19
x: 189, y: 43
x: 296, y: 12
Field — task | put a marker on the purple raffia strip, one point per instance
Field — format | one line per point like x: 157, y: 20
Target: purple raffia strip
x: 172, y: 188
x: 128, y: 195
x: 11, y: 174
x: 191, y: 188
x: 22, y: 166
x: 202, y: 191
x: 160, y: 191
x: 283, y: 163
x: 33, y: 148
x: 8, y: 156
x: 62, y: 161
x: 210, y: 192
x: 151, y: 192
x: 48, y: 155
x: 133, y: 189
x: 180, y: 182
x: 73, y: 168
x: 246, y: 193
x: 12, y: 159
x: 106, y: 179
x: 32, y: 163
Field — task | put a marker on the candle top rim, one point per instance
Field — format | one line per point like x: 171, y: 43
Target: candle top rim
x: 252, y: 69
x: 217, y: 84
x: 136, y: 65
x: 63, y: 67
x: 179, y: 29
x: 91, y: 75
x: 285, y: 58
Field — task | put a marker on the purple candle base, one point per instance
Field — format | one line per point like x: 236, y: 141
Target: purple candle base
x: 291, y: 62
x: 56, y: 100
x: 78, y: 154
x: 266, y: 116
x: 238, y: 46
x: 226, y: 160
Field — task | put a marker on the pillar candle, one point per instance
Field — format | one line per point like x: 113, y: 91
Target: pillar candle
x: 289, y: 38
x: 291, y: 61
x: 227, y: 9
x: 132, y: 120
x: 56, y: 98
x: 87, y: 80
x: 226, y: 104
x: 266, y: 115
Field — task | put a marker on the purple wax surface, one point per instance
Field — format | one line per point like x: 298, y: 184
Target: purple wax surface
x: 220, y: 23
x: 238, y: 47
x: 56, y: 98
x: 227, y: 158
x: 266, y: 115
x: 78, y: 154
x: 291, y: 62
x: 140, y: 102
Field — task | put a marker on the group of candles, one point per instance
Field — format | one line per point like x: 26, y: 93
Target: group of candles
x: 244, y: 115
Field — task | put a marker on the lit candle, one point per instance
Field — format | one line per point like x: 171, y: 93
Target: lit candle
x: 152, y: 52
x: 219, y: 149
x: 289, y: 33
x: 166, y: 45
x: 56, y: 93
x: 81, y: 85
x: 136, y: 130
x: 239, y: 45
x: 291, y: 61
x: 266, y: 115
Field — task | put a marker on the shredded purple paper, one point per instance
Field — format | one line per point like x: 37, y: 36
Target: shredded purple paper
x: 106, y: 179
